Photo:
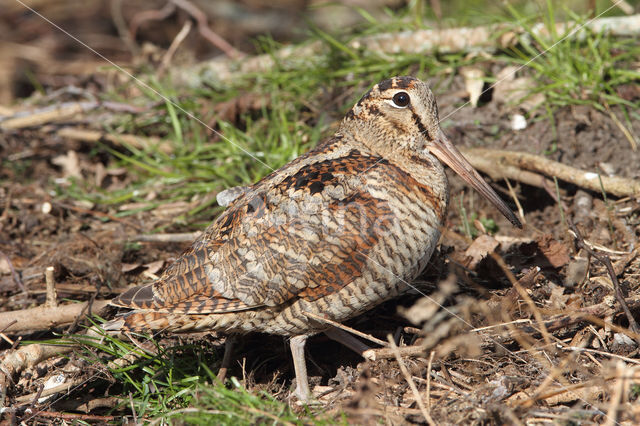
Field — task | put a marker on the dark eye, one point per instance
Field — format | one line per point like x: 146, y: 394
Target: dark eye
x: 401, y: 99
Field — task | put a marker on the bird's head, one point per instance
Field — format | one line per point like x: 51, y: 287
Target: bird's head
x: 399, y: 116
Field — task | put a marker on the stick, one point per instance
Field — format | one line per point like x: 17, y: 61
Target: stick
x: 487, y: 160
x: 412, y: 385
x: 614, y: 403
x: 604, y: 259
x: 60, y: 388
x: 29, y: 356
x: 388, y: 353
x: 167, y: 238
x: 59, y: 112
x: 52, y: 296
x: 346, y: 328
x: 205, y: 31
x: 72, y: 416
x: 420, y: 42
x: 45, y: 318
x: 140, y: 142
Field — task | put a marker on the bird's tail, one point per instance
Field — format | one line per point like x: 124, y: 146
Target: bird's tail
x: 138, y: 321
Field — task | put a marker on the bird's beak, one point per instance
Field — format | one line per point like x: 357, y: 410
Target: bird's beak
x: 449, y: 154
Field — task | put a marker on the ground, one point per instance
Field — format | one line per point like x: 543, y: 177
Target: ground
x: 504, y: 326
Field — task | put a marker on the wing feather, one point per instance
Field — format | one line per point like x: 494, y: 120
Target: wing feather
x: 306, y: 235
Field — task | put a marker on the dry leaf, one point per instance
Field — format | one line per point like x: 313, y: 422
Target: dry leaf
x: 480, y: 248
x: 510, y: 90
x: 557, y: 253
x: 473, y: 82
x: 69, y: 163
x: 154, y: 267
x: 128, y: 267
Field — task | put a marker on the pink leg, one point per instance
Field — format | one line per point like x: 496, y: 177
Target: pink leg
x: 302, y: 382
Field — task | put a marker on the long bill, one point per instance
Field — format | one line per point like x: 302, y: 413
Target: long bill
x: 449, y: 154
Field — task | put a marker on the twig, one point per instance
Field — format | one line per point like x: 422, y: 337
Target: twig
x: 487, y: 159
x: 604, y: 259
x: 121, y: 26
x: 346, y: 328
x: 522, y: 292
x: 60, y: 112
x: 623, y: 128
x: 614, y: 403
x: 420, y: 42
x: 133, y: 409
x: 88, y: 406
x: 387, y: 353
x: 167, y: 238
x: 603, y: 353
x: 179, y: 38
x: 44, y: 318
x: 429, y: 366
x: 72, y: 416
x: 412, y: 385
x: 99, y: 214
x: 14, y: 275
x: 205, y: 31
x: 150, y: 15
x: 139, y: 142
x: 60, y: 388
x: 29, y: 356
x: 517, y: 201
x: 52, y: 296
x: 57, y: 112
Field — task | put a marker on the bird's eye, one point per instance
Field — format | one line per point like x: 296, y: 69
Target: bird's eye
x: 401, y: 99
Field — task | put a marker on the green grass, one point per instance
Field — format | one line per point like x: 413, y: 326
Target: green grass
x: 178, y: 384
x: 577, y: 70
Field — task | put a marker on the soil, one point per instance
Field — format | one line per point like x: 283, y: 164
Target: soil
x: 490, y: 377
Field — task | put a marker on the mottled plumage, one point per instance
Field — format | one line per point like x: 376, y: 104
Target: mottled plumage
x: 333, y: 233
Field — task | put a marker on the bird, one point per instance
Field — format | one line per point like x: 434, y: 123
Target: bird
x: 328, y: 236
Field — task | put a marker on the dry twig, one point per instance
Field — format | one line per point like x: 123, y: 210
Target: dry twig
x: 604, y: 259
x: 526, y: 167
x: 205, y: 31
x: 52, y: 295
x: 167, y: 238
x: 45, y: 318
x: 412, y: 385
x: 346, y: 328
x: 483, y: 38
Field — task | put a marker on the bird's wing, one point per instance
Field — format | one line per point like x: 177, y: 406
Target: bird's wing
x: 306, y: 234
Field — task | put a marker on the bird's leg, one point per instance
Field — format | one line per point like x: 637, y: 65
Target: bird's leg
x: 347, y: 339
x: 229, y: 345
x: 299, y: 364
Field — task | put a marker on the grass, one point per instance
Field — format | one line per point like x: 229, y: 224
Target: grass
x: 576, y: 67
x: 299, y: 105
x: 176, y: 383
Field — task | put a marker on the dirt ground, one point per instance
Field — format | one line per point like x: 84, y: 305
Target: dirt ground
x: 551, y: 349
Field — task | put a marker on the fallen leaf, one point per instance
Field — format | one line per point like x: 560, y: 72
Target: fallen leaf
x: 128, y: 267
x: 154, y: 267
x: 480, y: 248
x: 514, y: 91
x: 69, y: 163
x: 557, y: 253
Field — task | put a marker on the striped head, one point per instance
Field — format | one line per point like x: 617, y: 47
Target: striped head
x: 398, y: 118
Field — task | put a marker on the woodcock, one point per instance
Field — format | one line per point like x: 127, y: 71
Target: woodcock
x: 333, y: 233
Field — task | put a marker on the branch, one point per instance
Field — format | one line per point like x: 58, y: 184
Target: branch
x: 45, y: 318
x: 528, y: 167
x: 483, y: 38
